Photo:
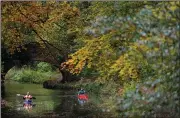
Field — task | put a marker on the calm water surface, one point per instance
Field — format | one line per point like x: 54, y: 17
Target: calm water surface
x: 49, y: 103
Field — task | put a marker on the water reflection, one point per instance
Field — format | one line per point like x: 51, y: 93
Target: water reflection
x: 82, y: 99
x: 48, y: 103
x: 82, y: 102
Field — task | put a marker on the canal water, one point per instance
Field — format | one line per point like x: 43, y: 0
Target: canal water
x: 49, y: 103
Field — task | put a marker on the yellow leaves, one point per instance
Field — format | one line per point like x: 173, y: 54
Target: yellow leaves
x: 133, y: 72
x: 144, y: 48
x: 75, y: 9
x: 89, y: 65
x: 173, y: 6
x: 70, y: 61
x: 126, y: 66
x: 34, y: 12
x: 118, y: 63
x: 132, y: 28
x: 65, y: 3
x: 77, y: 61
x: 169, y: 41
x: 156, y: 49
x: 96, y: 53
x: 129, y: 70
x: 145, y: 38
x: 51, y: 2
x: 165, y: 10
x: 34, y: 15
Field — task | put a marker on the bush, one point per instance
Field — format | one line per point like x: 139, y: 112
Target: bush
x: 44, y: 67
x: 158, y: 102
x: 128, y: 87
x: 37, y: 74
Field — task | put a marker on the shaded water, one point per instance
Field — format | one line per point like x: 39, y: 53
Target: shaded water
x: 48, y: 103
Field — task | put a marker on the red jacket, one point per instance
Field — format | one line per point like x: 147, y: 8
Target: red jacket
x: 27, y: 97
x: 83, y: 96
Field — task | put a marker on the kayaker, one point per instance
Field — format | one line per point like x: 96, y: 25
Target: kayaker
x: 81, y: 91
x: 27, y: 97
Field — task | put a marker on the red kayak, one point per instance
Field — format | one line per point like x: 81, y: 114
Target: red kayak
x: 83, y: 96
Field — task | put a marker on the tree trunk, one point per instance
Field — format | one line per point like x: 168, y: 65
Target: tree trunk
x: 66, y: 76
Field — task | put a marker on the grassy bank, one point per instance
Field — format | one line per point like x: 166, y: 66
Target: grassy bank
x: 36, y: 73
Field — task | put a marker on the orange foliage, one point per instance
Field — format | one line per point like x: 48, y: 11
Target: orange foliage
x: 33, y: 15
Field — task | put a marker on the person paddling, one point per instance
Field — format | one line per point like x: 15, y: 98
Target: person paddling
x: 27, y: 97
x: 82, y: 91
x: 28, y: 101
x: 82, y: 96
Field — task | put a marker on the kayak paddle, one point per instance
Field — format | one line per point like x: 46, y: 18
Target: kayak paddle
x: 24, y: 95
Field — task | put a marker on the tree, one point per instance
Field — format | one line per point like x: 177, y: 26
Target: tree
x: 119, y: 37
x: 50, y: 24
x: 22, y: 19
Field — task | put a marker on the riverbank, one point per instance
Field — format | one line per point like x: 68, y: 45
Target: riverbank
x: 35, y: 73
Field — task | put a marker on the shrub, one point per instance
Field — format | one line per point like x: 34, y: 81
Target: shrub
x: 44, y: 67
x: 134, y: 103
x: 37, y: 74
x: 128, y: 87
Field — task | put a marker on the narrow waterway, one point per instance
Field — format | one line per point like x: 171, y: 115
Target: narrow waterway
x: 48, y: 103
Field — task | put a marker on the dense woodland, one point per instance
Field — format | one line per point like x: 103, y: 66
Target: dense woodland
x: 128, y: 50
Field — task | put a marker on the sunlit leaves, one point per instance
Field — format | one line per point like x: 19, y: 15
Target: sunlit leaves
x: 142, y: 47
x: 121, y: 41
x: 95, y: 49
x: 129, y: 65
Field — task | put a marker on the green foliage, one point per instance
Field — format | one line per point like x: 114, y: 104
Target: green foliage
x: 44, y: 67
x: 142, y: 47
x: 38, y: 74
x: 150, y: 103
x: 90, y: 87
x: 88, y: 72
x: 133, y: 45
x: 129, y: 87
x: 35, y: 20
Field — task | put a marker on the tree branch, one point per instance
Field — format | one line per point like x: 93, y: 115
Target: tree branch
x: 44, y: 43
